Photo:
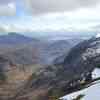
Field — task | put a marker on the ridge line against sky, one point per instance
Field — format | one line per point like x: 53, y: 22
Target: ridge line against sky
x: 50, y: 15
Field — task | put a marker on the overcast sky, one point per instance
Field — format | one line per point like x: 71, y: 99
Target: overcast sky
x: 7, y: 7
x: 47, y: 6
x: 49, y: 15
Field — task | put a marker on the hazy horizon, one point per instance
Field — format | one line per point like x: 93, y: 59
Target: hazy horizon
x: 52, y: 34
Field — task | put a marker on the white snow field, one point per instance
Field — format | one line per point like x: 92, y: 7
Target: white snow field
x: 90, y: 93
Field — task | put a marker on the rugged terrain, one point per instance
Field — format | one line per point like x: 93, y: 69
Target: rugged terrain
x: 32, y: 69
x: 51, y: 82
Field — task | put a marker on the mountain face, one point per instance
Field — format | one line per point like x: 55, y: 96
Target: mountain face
x: 83, y: 58
x: 55, y: 51
x: 54, y: 81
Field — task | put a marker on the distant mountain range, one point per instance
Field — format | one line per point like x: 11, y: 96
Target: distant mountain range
x: 14, y: 39
x: 27, y: 50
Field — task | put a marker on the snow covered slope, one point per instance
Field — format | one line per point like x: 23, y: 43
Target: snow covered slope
x: 91, y: 93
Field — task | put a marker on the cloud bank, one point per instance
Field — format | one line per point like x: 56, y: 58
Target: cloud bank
x: 52, y: 15
x: 46, y: 6
x: 7, y: 7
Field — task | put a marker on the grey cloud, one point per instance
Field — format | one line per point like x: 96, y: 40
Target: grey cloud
x: 7, y: 7
x: 3, y: 2
x: 46, y: 6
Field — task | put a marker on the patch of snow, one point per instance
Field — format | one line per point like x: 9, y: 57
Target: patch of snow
x: 96, y: 73
x: 98, y: 35
x: 90, y: 93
